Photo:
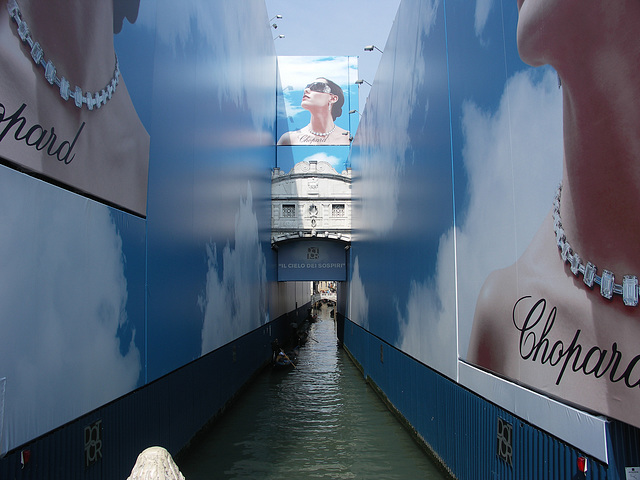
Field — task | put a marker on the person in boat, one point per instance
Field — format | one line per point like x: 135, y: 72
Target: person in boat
x: 277, y: 354
x: 282, y: 358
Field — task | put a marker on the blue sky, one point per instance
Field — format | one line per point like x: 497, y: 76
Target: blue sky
x: 335, y: 27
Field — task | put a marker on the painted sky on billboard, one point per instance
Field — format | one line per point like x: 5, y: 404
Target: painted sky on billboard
x: 209, y: 257
x: 71, y: 307
x: 401, y: 159
x: 502, y: 152
x: 108, y: 301
x: 337, y: 156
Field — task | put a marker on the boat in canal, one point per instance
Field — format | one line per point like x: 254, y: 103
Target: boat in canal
x: 283, y: 364
x: 282, y: 360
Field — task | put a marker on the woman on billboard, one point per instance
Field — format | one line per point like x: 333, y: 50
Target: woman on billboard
x: 324, y: 100
x: 65, y: 111
x: 564, y: 319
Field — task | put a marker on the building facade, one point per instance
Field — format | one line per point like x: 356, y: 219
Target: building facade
x: 312, y: 200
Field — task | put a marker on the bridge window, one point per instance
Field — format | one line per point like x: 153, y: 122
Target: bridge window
x: 337, y: 210
x: 289, y: 211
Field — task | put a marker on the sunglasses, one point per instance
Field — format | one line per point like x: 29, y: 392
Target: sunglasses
x: 319, y: 87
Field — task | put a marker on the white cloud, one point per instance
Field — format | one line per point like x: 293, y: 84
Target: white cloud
x: 383, y: 145
x: 324, y: 157
x: 297, y: 72
x: 239, y: 59
x: 428, y: 329
x: 234, y: 301
x: 513, y: 159
x: 62, y: 302
x: 288, y: 109
x: 358, y: 301
x: 483, y: 7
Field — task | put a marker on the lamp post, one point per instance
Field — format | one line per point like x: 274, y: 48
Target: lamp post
x: 274, y: 25
x: 370, y: 48
x: 361, y: 81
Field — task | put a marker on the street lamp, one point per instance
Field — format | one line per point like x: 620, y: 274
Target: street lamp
x: 361, y: 81
x: 369, y: 48
x: 274, y: 25
x: 279, y: 36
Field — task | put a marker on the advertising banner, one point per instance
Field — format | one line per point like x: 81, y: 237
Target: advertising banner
x: 312, y: 260
x: 65, y: 111
x: 554, y: 299
x: 317, y: 114
x: 77, y: 264
x: 316, y: 100
x: 526, y: 293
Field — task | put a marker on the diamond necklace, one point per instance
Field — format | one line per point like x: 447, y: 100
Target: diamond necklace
x: 89, y: 99
x: 326, y: 134
x: 608, y: 287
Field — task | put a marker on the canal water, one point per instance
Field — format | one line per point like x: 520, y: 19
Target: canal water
x: 317, y: 420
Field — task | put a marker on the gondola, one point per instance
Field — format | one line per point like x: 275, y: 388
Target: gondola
x: 283, y: 361
x: 283, y: 364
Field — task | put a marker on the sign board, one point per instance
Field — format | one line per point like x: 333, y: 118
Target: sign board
x: 312, y: 260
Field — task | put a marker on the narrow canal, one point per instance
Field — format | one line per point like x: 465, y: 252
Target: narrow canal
x: 317, y: 420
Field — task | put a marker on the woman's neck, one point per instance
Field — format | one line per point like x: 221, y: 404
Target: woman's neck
x: 601, y: 177
x: 321, y: 122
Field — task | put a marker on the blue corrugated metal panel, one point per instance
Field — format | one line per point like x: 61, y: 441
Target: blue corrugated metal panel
x: 462, y: 428
x: 625, y: 447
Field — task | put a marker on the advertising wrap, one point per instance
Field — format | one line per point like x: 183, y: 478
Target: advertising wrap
x: 65, y: 111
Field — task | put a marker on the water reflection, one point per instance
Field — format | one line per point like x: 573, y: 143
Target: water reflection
x: 317, y: 420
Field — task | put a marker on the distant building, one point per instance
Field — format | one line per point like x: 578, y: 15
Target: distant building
x: 312, y: 200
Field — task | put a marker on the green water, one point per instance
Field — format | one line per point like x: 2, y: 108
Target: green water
x: 319, y: 420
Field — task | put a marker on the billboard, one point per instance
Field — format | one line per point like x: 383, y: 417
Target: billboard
x: 317, y: 114
x: 65, y: 111
x: 492, y: 275
x: 76, y: 329
x: 317, y: 100
x: 557, y: 308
